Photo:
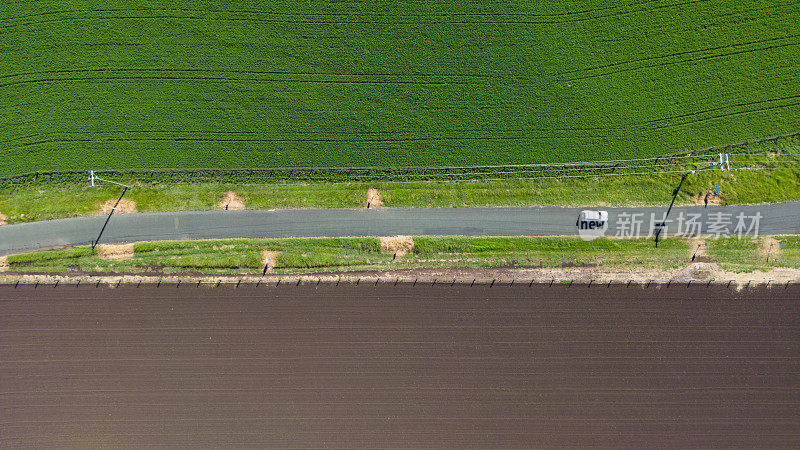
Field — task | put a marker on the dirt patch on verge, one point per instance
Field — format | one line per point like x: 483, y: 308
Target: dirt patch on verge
x: 695, y: 273
x: 3, y: 263
x: 701, y: 271
x: 698, y: 247
x: 231, y: 201
x: 268, y: 259
x: 125, y: 206
x: 769, y: 247
x: 374, y: 199
x: 399, y: 245
x: 698, y: 250
x: 115, y: 252
x: 3, y: 219
x: 710, y: 196
x: 711, y: 271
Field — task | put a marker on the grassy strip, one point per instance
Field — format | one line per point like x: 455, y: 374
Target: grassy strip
x: 243, y: 256
x: 737, y: 187
x: 212, y: 256
x: 551, y: 252
x: 746, y: 255
x: 46, y: 201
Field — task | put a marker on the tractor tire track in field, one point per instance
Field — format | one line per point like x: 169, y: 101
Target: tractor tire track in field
x: 316, y: 140
x: 736, y: 113
x: 228, y: 79
x: 683, y: 53
x: 637, y: 7
x: 278, y: 13
x: 454, y: 75
x: 738, y: 105
x: 717, y: 17
x: 254, y: 72
x: 256, y: 133
x: 683, y: 61
x: 718, y: 22
x: 340, y: 110
x: 727, y: 20
x: 383, y: 20
x: 656, y: 124
x: 509, y: 77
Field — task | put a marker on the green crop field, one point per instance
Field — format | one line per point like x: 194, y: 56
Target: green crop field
x: 119, y: 84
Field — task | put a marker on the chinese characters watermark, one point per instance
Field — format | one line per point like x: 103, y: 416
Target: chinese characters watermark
x: 717, y: 225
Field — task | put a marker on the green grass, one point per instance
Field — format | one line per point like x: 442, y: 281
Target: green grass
x: 308, y: 255
x: 789, y: 255
x: 243, y: 256
x: 25, y: 205
x: 753, y: 254
x: 212, y: 256
x: 553, y: 252
x: 737, y: 254
x: 122, y: 84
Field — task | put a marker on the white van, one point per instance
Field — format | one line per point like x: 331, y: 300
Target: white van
x: 592, y: 220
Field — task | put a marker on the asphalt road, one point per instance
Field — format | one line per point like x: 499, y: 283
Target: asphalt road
x: 399, y: 367
x: 781, y: 218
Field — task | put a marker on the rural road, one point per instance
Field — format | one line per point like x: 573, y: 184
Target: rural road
x: 782, y: 218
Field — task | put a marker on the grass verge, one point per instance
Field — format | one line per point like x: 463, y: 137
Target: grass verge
x: 738, y: 187
x: 44, y: 201
x: 304, y: 255
x: 747, y: 255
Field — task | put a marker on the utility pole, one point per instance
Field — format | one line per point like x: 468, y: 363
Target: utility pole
x: 93, y: 178
x: 660, y: 225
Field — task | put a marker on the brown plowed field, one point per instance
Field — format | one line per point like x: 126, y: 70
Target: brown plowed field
x: 405, y: 366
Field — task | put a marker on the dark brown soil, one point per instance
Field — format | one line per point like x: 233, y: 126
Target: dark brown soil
x: 399, y: 366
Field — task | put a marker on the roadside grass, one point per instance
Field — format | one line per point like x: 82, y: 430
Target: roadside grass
x: 738, y: 187
x: 211, y: 256
x: 243, y: 256
x: 304, y: 255
x: 548, y: 252
x: 789, y: 255
x: 737, y: 254
x: 746, y: 255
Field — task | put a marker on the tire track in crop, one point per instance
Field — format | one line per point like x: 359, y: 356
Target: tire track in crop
x: 306, y: 132
x: 390, y: 140
x: 248, y: 72
x: 334, y: 110
x: 683, y: 61
x: 231, y: 11
x: 765, y: 14
x: 314, y: 140
x: 661, y: 31
x: 687, y: 52
x: 762, y: 8
x: 362, y: 19
x: 355, y: 13
x: 229, y: 79
x: 735, y: 113
x: 654, y: 122
x: 384, y: 140
x: 446, y: 75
